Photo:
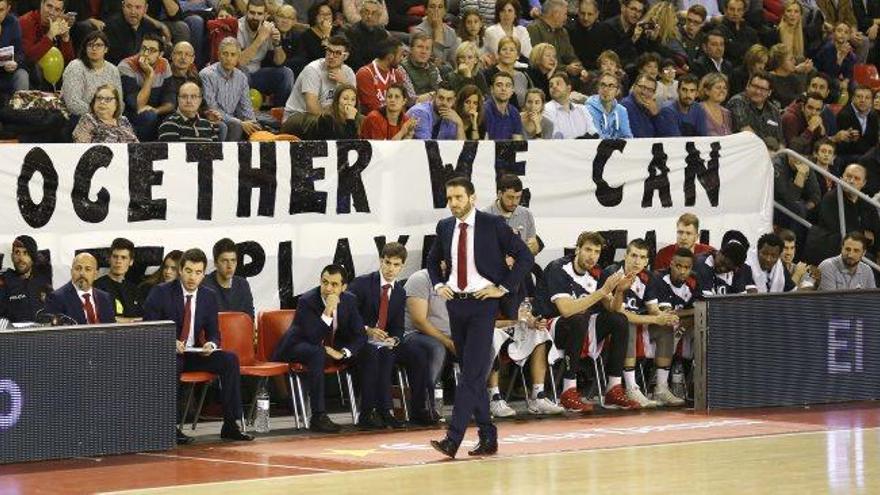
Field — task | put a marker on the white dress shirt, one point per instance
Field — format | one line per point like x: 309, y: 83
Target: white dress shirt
x: 82, y: 303
x: 475, y: 281
x: 191, y: 338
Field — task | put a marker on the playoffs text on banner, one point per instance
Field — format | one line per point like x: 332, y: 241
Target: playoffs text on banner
x: 294, y: 207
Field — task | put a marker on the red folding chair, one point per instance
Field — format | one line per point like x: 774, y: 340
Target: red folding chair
x: 193, y: 378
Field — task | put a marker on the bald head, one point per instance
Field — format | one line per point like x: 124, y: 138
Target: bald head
x: 83, y: 271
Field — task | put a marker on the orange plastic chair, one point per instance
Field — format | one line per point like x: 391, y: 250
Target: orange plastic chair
x: 270, y: 328
x: 193, y: 378
x: 237, y: 336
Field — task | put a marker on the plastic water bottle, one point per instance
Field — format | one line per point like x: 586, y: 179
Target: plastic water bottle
x: 438, y: 394
x: 678, y: 387
x: 525, y: 310
x: 261, y: 421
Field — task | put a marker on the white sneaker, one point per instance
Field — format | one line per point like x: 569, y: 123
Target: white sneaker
x: 665, y: 397
x: 636, y: 395
x: 544, y: 406
x: 500, y: 409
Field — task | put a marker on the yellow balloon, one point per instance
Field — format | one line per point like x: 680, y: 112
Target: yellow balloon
x: 256, y: 99
x: 52, y: 65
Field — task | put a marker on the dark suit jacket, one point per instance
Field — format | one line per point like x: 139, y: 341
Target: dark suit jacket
x: 308, y: 326
x: 66, y: 301
x: 494, y: 240
x: 847, y: 119
x: 165, y: 302
x: 703, y: 65
x: 368, y: 292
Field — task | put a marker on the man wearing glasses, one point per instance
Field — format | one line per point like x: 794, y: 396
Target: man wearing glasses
x: 185, y: 125
x: 316, y: 84
x: 641, y: 107
x: 753, y: 111
x: 144, y: 90
x: 610, y: 118
x: 689, y: 30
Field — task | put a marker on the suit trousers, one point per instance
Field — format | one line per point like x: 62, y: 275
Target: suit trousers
x: 313, y: 357
x: 375, y: 367
x: 225, y: 365
x: 472, y: 323
x: 416, y: 357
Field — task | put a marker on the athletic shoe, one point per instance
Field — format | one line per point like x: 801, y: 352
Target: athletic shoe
x: 616, y: 398
x: 665, y: 397
x: 544, y: 405
x: 636, y: 395
x: 571, y: 400
x: 500, y: 409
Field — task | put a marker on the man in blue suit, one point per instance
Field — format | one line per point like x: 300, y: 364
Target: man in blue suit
x: 78, y: 299
x: 194, y: 310
x: 474, y: 246
x: 327, y: 324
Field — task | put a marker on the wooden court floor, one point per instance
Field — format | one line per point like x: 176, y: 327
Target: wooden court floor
x: 831, y: 449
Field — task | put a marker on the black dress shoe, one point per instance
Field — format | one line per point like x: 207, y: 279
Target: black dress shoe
x: 183, y: 439
x: 230, y: 431
x: 445, y: 447
x: 423, y: 418
x: 390, y: 421
x: 322, y: 423
x: 485, y: 447
x: 370, y: 420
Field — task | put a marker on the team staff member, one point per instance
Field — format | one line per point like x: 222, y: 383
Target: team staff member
x: 126, y: 303
x: 24, y: 288
x: 78, y: 299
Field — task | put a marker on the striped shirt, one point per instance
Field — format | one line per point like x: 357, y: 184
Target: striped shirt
x: 178, y: 128
x: 227, y: 92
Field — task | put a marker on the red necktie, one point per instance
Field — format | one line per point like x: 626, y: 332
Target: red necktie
x: 187, y: 316
x: 90, y: 310
x: 462, y: 255
x: 383, y: 307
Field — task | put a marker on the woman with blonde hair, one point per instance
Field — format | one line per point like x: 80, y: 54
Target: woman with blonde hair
x: 542, y: 65
x: 754, y: 61
x: 668, y: 39
x: 717, y: 119
x: 467, y: 68
x: 791, y: 28
x: 508, y: 52
x: 787, y: 78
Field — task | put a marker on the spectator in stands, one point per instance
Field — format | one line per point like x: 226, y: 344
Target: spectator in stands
x: 542, y: 64
x: 690, y: 30
x: 341, y: 120
x: 626, y: 34
x: 718, y: 121
x: 502, y: 119
x: 724, y: 271
x: 403, y: 14
x: 640, y: 298
x: 847, y: 271
x: 753, y: 111
x: 507, y: 14
x: 712, y: 58
x: 796, y: 188
x: 196, y: 321
x: 739, y: 36
x: 791, y: 29
x: 121, y: 288
x: 312, y: 42
x: 327, y: 326
x: 608, y: 61
x: 858, y: 214
x: 467, y: 68
x: 381, y: 303
x: 821, y: 84
x: 609, y: 117
x: 13, y: 77
x: 223, y: 26
x: 862, y: 122
x: 754, y: 61
x: 667, y: 84
x: 233, y: 291
x: 24, y: 286
x: 186, y: 125
x: 786, y: 75
x: 78, y: 299
x: 352, y: 11
x: 191, y: 12
x: 584, y: 34
x: 802, y: 123
x: 167, y: 272
x: 641, y: 107
x: 687, y: 233
x: 367, y: 35
x: 824, y: 154
x: 84, y: 75
x: 374, y: 78
x: 226, y: 91
x: 105, y: 122
x: 318, y: 82
x: 445, y: 42
x: 420, y: 70
x: 125, y: 31
x: 508, y: 51
x: 765, y: 262
x: 183, y: 69
x: 800, y: 272
x: 682, y: 117
x: 41, y: 30
x: 836, y: 57
x: 587, y: 315
x: 550, y: 28
x: 469, y: 106
x: 471, y: 28
x: 535, y: 124
x: 147, y: 98
x: 437, y: 119
x: 664, y: 36
x: 485, y: 8
x: 567, y: 120
x: 391, y: 121
x: 290, y: 29
x: 258, y: 38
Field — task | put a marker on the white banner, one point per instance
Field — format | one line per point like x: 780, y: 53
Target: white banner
x: 298, y: 206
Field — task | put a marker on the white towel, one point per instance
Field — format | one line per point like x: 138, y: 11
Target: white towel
x: 776, y: 276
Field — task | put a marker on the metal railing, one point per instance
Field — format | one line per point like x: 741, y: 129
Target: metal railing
x: 841, y: 185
